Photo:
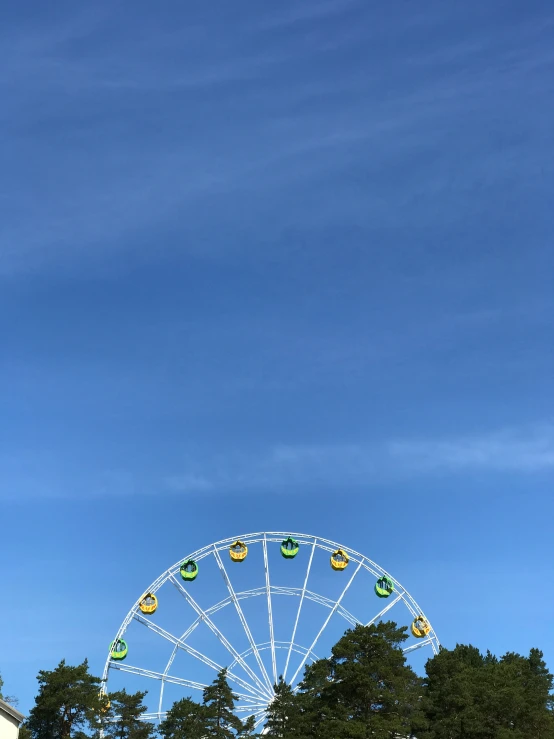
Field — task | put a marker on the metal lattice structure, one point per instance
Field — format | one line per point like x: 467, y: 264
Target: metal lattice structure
x: 252, y: 678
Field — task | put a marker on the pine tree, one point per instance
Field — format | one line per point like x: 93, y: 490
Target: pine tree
x: 451, y: 686
x: 283, y: 712
x: 122, y: 720
x: 471, y: 696
x: 186, y: 719
x: 318, y: 712
x: 364, y: 690
x: 248, y: 730
x: 219, y: 703
x: 68, y: 699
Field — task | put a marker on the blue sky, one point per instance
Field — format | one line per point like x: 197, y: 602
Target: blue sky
x: 275, y: 267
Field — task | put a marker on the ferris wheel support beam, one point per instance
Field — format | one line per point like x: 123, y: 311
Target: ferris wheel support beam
x: 333, y: 609
x: 254, y: 708
x: 228, y: 646
x: 159, y: 676
x: 260, y: 719
x: 156, y: 716
x: 385, y: 609
x: 302, y: 596
x: 243, y: 621
x: 279, y: 645
x: 270, y: 612
x: 179, y: 681
x: 198, y: 655
x: 422, y: 643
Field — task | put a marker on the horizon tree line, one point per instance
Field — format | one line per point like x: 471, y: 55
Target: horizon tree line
x: 364, y: 690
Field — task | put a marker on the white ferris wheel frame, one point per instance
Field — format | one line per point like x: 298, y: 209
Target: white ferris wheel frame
x: 256, y: 695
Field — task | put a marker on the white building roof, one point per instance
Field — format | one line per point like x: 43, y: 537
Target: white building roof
x: 11, y: 711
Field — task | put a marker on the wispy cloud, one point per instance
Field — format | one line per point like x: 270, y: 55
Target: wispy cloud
x: 217, y: 113
x: 293, y: 467
x: 188, y: 483
x: 530, y: 451
x: 303, y: 13
x: 363, y: 464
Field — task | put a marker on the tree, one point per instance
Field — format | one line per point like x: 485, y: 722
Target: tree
x: 249, y: 729
x: 186, y: 719
x: 451, y: 687
x: 283, y: 712
x: 11, y: 699
x: 122, y: 720
x: 317, y: 710
x: 473, y: 696
x: 68, y: 699
x: 365, y: 689
x: 219, y: 703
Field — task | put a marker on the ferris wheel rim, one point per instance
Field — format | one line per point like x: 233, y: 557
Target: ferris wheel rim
x: 320, y: 542
x: 263, y: 688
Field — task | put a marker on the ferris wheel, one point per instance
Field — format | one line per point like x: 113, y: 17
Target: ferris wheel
x: 271, y: 622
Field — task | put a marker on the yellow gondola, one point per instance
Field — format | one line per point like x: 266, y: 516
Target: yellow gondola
x: 339, y: 560
x: 420, y: 627
x: 238, y: 551
x: 104, y: 701
x: 149, y: 603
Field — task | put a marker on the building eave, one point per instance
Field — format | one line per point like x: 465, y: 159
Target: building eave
x: 11, y: 711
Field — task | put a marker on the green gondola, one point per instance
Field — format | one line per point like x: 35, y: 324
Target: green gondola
x: 384, y: 587
x: 289, y: 548
x: 189, y: 570
x: 118, y: 649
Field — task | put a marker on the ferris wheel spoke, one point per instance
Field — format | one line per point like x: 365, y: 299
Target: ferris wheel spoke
x: 196, y: 654
x: 254, y: 707
x: 159, y: 676
x: 157, y: 716
x: 385, y: 609
x: 302, y: 596
x: 423, y: 643
x: 165, y: 674
x: 243, y: 621
x: 260, y: 720
x: 270, y: 612
x: 255, y: 701
x: 333, y: 609
x: 261, y: 710
x: 210, y: 624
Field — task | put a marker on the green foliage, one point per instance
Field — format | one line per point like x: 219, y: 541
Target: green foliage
x: 215, y: 717
x: 122, y: 718
x: 283, y: 716
x: 471, y: 696
x: 186, y: 719
x: 249, y: 729
x: 364, y: 690
x: 219, y: 702
x: 67, y: 701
